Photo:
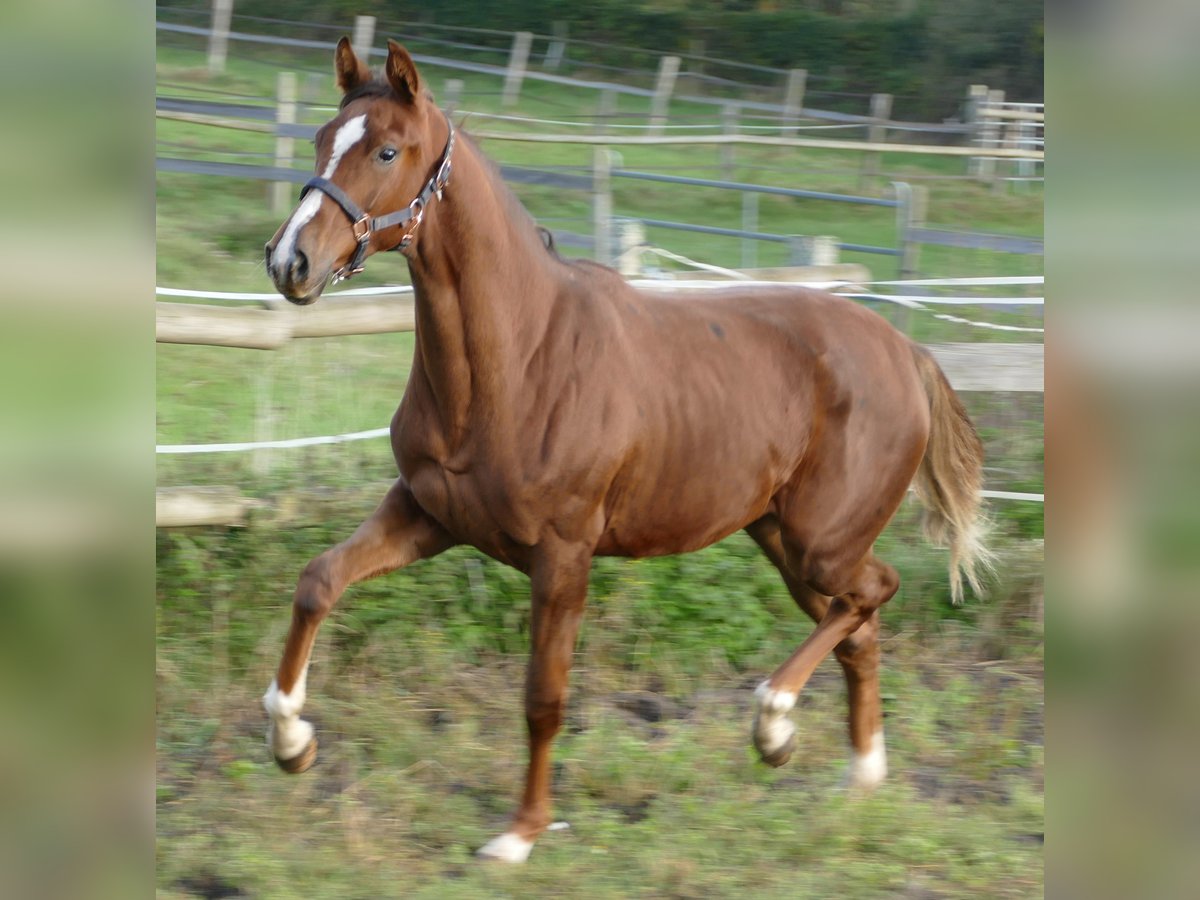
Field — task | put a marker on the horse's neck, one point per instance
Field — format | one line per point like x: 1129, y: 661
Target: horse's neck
x: 483, y: 288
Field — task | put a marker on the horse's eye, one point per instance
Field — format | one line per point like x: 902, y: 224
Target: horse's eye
x: 387, y: 154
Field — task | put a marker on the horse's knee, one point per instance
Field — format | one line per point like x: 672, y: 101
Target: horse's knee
x: 864, y: 586
x: 315, y: 591
x: 544, y: 713
x: 888, y: 582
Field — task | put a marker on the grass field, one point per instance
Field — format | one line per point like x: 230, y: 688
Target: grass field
x: 415, y: 686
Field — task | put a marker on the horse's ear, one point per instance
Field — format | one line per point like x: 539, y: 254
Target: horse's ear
x: 351, y: 71
x: 402, y: 73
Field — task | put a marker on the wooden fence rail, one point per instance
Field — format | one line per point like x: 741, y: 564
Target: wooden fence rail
x: 183, y: 507
x: 270, y: 329
x: 970, y: 367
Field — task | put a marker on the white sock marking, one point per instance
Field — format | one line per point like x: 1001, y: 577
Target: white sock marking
x: 288, y: 734
x: 508, y: 847
x: 772, y: 728
x: 347, y: 136
x: 867, y: 770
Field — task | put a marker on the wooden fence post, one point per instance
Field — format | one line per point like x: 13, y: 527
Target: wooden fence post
x: 1011, y: 140
x: 729, y: 125
x: 812, y: 250
x: 518, y: 58
x: 990, y: 134
x: 631, y: 234
x: 668, y: 68
x: 1025, y: 140
x: 602, y: 204
x: 218, y: 36
x: 911, y: 213
x: 976, y: 100
x: 364, y: 37
x: 606, y: 111
x: 285, y: 114
x: 749, y: 223
x: 557, y: 48
x: 872, y: 162
x: 793, y: 100
x: 914, y: 202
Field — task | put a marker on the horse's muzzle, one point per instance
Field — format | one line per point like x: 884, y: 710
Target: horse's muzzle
x: 292, y: 276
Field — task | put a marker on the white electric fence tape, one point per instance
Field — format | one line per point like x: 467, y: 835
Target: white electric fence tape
x: 903, y: 300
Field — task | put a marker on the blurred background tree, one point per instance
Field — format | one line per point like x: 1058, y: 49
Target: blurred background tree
x: 926, y: 52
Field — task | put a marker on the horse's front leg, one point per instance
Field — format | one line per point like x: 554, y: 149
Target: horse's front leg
x: 398, y: 533
x: 559, y: 578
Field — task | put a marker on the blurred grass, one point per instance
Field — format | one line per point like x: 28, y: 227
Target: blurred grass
x: 415, y: 688
x: 415, y: 685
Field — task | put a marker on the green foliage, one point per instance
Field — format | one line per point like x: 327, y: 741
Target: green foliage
x: 697, y: 605
x: 926, y: 55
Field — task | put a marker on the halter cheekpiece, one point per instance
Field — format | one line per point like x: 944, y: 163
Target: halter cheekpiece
x: 364, y: 225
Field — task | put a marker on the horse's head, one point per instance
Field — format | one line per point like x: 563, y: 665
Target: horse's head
x: 379, y: 161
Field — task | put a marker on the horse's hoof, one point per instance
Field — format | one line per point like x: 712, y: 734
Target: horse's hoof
x: 508, y: 847
x: 781, y: 754
x: 301, y: 763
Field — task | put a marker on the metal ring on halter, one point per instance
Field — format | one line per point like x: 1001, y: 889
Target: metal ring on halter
x: 416, y: 211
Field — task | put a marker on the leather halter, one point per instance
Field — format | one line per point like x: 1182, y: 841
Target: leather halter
x: 364, y: 225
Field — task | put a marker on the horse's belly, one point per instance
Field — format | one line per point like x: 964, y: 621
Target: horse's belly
x: 684, y: 514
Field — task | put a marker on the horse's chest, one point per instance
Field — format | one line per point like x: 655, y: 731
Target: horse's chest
x: 475, y: 509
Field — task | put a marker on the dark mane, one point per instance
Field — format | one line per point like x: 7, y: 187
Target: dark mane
x: 376, y: 87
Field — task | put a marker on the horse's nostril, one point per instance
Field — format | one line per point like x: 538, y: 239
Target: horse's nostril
x: 267, y: 255
x: 299, y: 266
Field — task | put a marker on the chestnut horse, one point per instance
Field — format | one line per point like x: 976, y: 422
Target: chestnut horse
x: 554, y: 413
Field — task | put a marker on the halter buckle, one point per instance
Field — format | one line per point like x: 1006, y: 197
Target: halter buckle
x: 363, y: 223
x: 416, y: 211
x: 442, y: 178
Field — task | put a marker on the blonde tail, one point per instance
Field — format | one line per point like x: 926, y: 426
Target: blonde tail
x: 950, y: 478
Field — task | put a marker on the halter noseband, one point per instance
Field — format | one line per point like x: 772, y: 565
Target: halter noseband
x: 364, y: 225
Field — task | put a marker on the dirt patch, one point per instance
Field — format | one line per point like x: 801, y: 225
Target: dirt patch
x: 636, y: 811
x: 650, y: 707
x: 209, y: 886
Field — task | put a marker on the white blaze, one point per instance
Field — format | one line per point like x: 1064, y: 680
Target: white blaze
x: 347, y: 136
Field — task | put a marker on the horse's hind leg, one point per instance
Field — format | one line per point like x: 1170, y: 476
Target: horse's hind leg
x: 396, y: 534
x: 774, y: 734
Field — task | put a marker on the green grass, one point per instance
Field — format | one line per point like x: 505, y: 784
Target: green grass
x: 415, y: 686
